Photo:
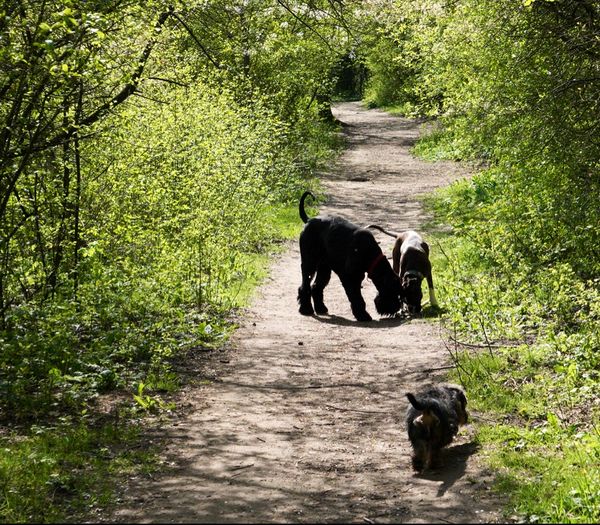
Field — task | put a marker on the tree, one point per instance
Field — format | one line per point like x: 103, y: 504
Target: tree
x: 61, y: 74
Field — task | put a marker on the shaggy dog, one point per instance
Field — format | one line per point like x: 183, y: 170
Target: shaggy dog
x: 432, y: 421
x: 410, y: 258
x: 332, y: 243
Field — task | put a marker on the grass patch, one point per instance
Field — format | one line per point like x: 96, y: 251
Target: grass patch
x: 56, y: 473
x: 399, y: 110
x: 286, y: 225
x: 436, y: 144
x: 286, y: 222
x: 539, y: 381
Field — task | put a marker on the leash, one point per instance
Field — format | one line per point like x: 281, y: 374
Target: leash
x: 375, y: 262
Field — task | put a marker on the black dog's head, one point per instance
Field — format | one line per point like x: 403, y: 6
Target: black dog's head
x: 387, y: 301
x: 368, y: 254
x: 412, y: 291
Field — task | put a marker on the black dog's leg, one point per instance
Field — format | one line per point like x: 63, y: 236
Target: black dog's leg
x: 359, y: 307
x: 321, y: 281
x: 304, y: 290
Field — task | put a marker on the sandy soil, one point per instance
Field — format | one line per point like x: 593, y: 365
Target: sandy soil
x: 303, y: 420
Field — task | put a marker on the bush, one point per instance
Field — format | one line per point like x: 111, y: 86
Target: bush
x: 175, y: 200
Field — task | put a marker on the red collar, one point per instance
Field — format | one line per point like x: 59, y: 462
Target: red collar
x: 375, y: 262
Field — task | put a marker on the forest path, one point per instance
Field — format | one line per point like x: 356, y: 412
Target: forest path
x: 304, y: 418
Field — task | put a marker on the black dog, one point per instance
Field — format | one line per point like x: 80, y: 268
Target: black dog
x: 332, y: 243
x: 410, y: 258
x: 433, y: 420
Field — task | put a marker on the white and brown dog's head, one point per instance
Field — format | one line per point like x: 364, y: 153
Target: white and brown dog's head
x: 412, y: 293
x: 410, y: 258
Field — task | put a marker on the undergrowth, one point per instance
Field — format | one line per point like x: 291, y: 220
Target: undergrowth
x: 63, y: 457
x: 61, y: 453
x: 523, y: 334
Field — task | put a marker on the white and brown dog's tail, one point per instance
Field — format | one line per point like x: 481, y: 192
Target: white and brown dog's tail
x: 391, y: 234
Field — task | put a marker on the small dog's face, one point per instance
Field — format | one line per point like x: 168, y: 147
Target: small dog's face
x: 412, y: 293
x: 460, y: 405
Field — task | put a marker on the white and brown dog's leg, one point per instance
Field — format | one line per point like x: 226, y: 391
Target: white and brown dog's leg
x: 432, y: 298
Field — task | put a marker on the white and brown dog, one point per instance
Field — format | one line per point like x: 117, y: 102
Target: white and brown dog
x: 410, y: 258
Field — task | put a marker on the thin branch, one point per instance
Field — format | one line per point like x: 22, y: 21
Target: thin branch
x: 153, y: 99
x: 128, y: 90
x: 312, y: 29
x: 447, y: 367
x: 473, y: 345
x: 195, y: 38
x: 168, y: 80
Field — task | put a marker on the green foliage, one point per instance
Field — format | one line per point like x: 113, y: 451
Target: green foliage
x: 288, y: 51
x: 537, y: 367
x: 145, y: 150
x: 398, y: 51
x: 120, y: 251
x: 514, y: 84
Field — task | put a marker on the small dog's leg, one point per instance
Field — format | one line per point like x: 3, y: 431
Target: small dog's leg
x: 435, y: 459
x: 321, y: 281
x: 418, y: 463
x: 420, y: 455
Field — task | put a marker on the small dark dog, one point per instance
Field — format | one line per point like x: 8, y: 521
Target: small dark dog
x: 432, y: 421
x: 410, y: 258
x: 332, y: 243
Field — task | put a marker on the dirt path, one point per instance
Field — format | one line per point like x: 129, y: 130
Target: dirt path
x: 305, y: 419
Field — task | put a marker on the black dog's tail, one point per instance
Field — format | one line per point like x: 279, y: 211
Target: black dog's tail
x: 414, y: 402
x: 303, y: 215
x: 428, y: 404
x: 391, y: 234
